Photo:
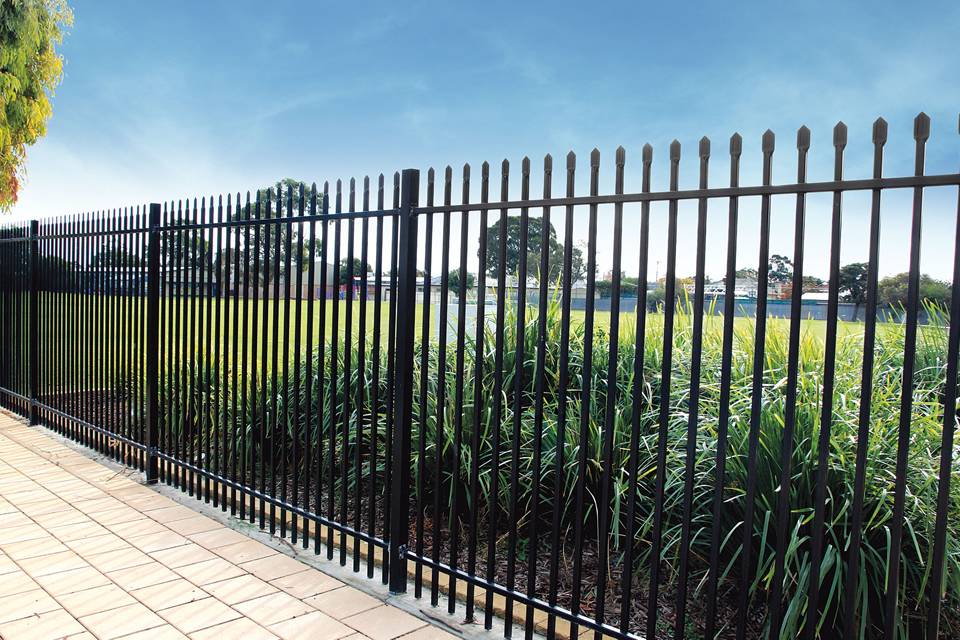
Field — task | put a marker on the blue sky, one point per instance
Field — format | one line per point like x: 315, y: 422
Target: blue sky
x: 175, y: 99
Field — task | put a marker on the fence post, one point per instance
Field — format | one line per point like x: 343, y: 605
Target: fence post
x: 34, y: 321
x: 403, y: 382
x: 153, y: 344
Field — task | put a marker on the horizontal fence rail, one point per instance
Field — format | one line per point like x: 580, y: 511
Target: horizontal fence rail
x: 438, y: 389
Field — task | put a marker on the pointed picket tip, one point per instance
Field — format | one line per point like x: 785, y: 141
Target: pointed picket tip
x: 548, y: 163
x: 704, y: 147
x: 840, y: 135
x: 675, y: 150
x: 595, y: 158
x: 366, y: 182
x: 466, y: 171
x: 525, y: 165
x: 803, y: 138
x: 505, y: 166
x: 621, y: 156
x: 448, y: 173
x: 430, y: 175
x: 571, y: 160
x: 485, y: 167
x: 736, y: 144
x: 921, y: 126
x: 647, y: 153
x: 768, y: 141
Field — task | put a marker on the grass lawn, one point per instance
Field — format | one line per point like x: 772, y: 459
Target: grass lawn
x: 69, y: 312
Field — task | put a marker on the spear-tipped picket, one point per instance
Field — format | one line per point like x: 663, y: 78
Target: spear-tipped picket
x: 921, y: 127
x: 946, y: 446
x: 704, y: 148
x: 840, y: 135
x: 803, y: 138
x: 921, y: 132
x: 768, y: 141
x: 880, y: 131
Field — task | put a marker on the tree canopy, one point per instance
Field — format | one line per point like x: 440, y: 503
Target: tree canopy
x: 288, y: 188
x: 534, y: 244
x: 853, y: 282
x: 30, y: 69
x: 892, y: 290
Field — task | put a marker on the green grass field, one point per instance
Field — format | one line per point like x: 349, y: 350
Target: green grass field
x: 65, y: 315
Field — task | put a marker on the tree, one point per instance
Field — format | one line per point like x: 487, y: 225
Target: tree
x: 30, y: 69
x: 359, y: 268
x: 453, y: 281
x: 780, y: 269
x: 892, y: 290
x: 852, y: 285
x: 534, y: 243
x: 289, y: 190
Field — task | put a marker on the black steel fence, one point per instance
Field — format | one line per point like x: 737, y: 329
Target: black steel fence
x: 638, y: 473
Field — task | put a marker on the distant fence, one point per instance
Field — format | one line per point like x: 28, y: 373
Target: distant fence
x: 642, y: 479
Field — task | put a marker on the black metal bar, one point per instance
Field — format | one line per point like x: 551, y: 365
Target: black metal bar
x: 375, y: 382
x: 362, y: 384
x: 240, y: 442
x: 613, y: 349
x: 391, y: 362
x: 518, y: 390
x: 563, y: 384
x: 275, y: 393
x: 284, y: 430
x: 666, y: 375
x: 586, y: 391
x: 34, y: 321
x: 756, y: 393
x: 152, y: 347
x: 456, y: 455
x: 309, y: 426
x: 783, y: 531
x: 422, y: 414
x: 321, y: 353
x: 499, y: 330
x: 230, y: 277
x: 203, y: 348
x: 693, y: 412
x: 297, y: 431
x: 265, y: 389
x: 406, y: 300
x: 826, y: 415
x: 478, y: 389
x: 636, y: 392
x: 921, y: 131
x: 946, y: 447
x: 334, y: 339
x: 540, y: 375
x: 440, y: 430
x: 347, y: 372
x: 726, y: 364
